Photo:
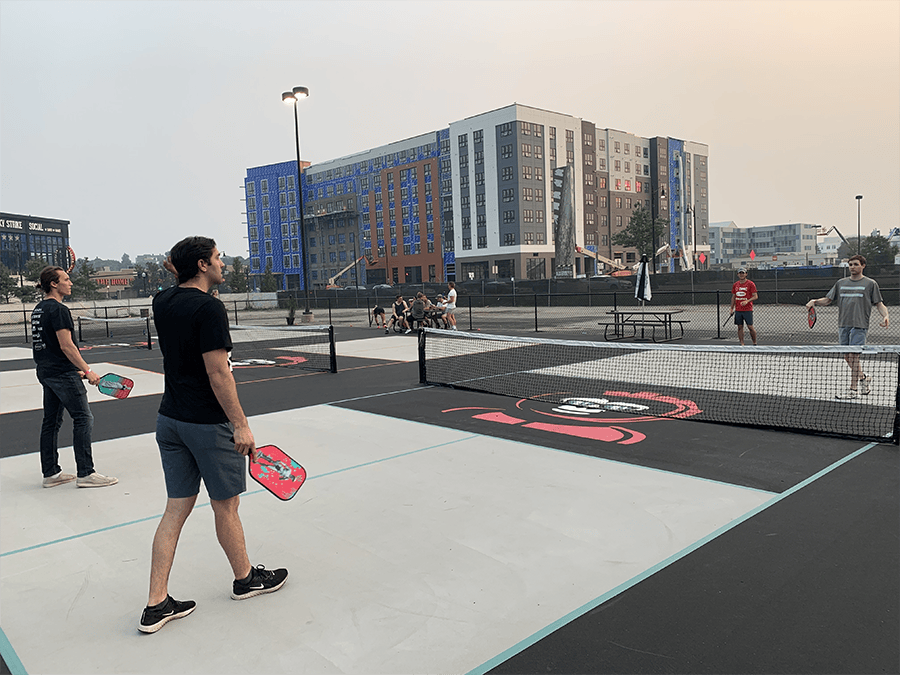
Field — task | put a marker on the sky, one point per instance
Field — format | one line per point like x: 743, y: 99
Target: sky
x: 136, y: 121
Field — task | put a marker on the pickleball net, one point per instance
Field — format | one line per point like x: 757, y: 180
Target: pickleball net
x: 787, y: 388
x: 124, y: 332
x: 304, y: 347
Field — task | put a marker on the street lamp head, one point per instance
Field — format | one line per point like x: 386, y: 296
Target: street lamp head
x: 300, y: 92
x: 288, y: 98
x: 859, y: 196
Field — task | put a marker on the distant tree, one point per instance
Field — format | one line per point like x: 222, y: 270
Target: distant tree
x: 877, y: 250
x: 28, y: 292
x: 126, y: 261
x: 33, y: 269
x: 640, y: 230
x: 83, y: 287
x: 8, y: 284
x: 268, y: 283
x: 237, y: 279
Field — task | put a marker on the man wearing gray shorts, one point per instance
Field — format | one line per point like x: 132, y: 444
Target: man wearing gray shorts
x: 201, y: 429
x: 855, y: 296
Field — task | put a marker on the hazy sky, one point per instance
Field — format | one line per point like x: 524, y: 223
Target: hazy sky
x: 136, y: 120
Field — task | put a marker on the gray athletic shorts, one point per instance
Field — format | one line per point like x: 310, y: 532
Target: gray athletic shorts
x: 190, y: 452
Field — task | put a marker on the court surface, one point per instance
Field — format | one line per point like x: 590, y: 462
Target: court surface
x: 443, y: 531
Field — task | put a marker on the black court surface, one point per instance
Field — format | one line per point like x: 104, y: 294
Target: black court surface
x: 455, y: 532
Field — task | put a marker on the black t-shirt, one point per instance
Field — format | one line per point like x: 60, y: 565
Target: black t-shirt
x: 190, y: 323
x: 48, y: 317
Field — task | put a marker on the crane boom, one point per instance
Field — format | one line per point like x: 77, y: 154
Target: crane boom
x: 834, y: 229
x: 600, y: 258
x: 369, y: 259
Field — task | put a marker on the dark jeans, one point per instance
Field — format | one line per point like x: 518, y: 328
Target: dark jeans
x: 66, y: 392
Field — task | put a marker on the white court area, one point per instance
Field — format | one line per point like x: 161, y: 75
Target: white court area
x: 391, y: 347
x: 433, y: 552
x: 15, y: 353
x: 20, y: 389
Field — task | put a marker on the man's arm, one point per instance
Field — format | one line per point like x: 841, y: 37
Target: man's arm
x: 222, y: 382
x: 824, y: 302
x: 884, y: 314
x: 64, y: 335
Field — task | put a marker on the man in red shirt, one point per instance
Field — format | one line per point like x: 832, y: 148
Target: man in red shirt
x: 743, y: 293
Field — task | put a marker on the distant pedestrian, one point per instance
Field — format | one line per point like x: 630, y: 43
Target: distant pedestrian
x: 201, y: 430
x: 743, y: 293
x: 855, y: 296
x: 60, y: 369
x: 450, y: 309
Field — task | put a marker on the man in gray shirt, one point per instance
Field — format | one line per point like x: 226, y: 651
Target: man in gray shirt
x: 855, y: 296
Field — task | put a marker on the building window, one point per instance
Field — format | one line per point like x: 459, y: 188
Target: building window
x: 506, y: 151
x: 527, y: 194
x: 509, y: 194
x: 509, y: 216
x: 526, y: 172
x: 506, y: 173
x: 509, y: 239
x: 526, y: 149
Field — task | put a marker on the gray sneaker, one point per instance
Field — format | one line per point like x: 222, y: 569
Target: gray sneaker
x: 58, y: 479
x: 96, y: 480
x: 864, y: 383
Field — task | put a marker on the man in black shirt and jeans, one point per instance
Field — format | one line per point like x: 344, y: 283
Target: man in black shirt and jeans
x: 201, y: 429
x: 60, y: 369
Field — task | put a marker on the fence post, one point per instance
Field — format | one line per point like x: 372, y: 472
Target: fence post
x: 330, y: 322
x: 470, y: 309
x: 719, y: 321
x: 25, y: 322
x: 235, y: 313
x: 535, y: 313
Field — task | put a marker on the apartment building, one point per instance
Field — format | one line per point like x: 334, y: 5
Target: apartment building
x: 732, y: 245
x: 473, y: 201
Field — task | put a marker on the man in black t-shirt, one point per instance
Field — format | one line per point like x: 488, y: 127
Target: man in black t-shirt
x: 201, y: 429
x: 60, y: 368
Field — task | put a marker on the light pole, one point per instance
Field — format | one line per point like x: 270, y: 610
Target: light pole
x: 290, y: 97
x: 858, y: 233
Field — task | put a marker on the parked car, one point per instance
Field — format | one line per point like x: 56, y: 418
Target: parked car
x: 607, y: 283
x: 353, y: 288
x: 382, y: 287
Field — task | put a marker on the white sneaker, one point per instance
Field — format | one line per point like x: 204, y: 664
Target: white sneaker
x: 59, y: 479
x: 96, y: 480
x: 864, y: 388
x: 408, y: 330
x: 847, y: 395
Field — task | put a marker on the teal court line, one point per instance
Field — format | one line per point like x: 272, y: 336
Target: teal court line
x: 10, y: 658
x: 596, y: 602
x: 204, y: 504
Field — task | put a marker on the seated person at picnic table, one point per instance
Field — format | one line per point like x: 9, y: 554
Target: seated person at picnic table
x: 416, y: 311
x: 399, y: 309
x: 437, y: 312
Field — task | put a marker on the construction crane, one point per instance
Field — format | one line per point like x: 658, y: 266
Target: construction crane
x: 600, y: 258
x: 833, y: 229
x: 331, y: 281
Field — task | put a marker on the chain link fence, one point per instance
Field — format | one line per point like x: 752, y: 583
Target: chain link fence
x: 779, y: 317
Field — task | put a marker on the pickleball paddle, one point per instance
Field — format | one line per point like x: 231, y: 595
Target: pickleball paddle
x: 276, y: 471
x: 811, y: 316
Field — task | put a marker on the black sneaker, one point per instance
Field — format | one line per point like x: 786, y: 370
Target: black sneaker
x: 260, y: 581
x: 159, y: 615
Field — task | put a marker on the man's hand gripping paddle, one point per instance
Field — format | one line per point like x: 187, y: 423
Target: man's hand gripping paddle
x: 277, y: 472
x: 114, y: 385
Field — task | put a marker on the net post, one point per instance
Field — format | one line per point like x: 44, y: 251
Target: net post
x: 80, y: 332
x: 149, y: 339
x: 106, y: 316
x: 235, y: 312
x: 329, y: 312
x: 423, y: 377
x: 470, y: 309
x: 535, y: 312
x: 25, y: 322
x: 896, y: 438
x: 331, y: 348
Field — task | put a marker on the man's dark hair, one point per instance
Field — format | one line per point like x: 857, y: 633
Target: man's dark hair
x: 187, y: 253
x: 862, y: 260
x: 48, y: 276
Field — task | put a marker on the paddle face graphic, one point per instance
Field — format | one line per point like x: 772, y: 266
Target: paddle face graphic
x: 277, y: 472
x: 115, y: 385
x: 811, y: 315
